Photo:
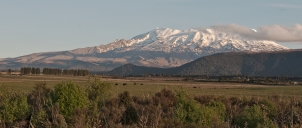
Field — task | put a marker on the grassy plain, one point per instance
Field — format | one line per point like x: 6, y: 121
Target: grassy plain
x: 149, y: 86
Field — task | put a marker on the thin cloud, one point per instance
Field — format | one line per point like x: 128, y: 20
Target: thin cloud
x: 288, y: 6
x: 276, y: 33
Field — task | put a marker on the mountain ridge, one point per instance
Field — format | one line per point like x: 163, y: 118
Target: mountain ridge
x: 190, y: 40
x: 277, y: 63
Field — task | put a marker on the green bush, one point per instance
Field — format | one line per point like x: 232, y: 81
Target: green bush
x: 69, y: 97
x: 39, y: 118
x: 187, y: 110
x: 190, y: 111
x: 213, y: 113
x: 253, y: 117
x: 13, y: 107
x: 269, y: 107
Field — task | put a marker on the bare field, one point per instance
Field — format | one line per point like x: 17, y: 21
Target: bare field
x: 149, y: 86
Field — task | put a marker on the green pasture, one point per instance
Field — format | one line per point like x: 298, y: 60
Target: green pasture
x: 148, y: 87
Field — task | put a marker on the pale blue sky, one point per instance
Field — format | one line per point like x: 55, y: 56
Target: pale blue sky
x: 30, y: 26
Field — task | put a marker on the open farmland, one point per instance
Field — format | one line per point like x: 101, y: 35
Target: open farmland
x: 149, y: 86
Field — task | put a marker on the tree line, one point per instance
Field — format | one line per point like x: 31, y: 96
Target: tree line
x: 71, y: 72
x: 50, y: 71
x: 96, y: 105
x: 30, y: 70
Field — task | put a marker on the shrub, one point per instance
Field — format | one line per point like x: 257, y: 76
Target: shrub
x: 69, y: 97
x: 254, y: 117
x: 130, y: 116
x: 187, y: 110
x: 39, y: 118
x: 125, y: 99
x: 99, y: 91
x: 39, y: 97
x: 13, y: 107
x: 213, y: 114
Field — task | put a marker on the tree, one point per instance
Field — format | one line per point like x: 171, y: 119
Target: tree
x: 22, y: 71
x: 37, y: 70
x: 33, y: 70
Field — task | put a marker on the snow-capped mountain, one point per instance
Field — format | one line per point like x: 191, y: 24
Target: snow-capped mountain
x: 161, y: 47
x: 202, y: 42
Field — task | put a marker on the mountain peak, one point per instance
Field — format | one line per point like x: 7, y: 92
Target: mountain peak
x: 191, y: 40
x: 196, y: 41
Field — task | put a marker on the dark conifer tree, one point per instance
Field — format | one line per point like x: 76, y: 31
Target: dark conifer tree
x: 37, y: 71
x: 9, y: 71
x: 33, y: 70
x: 22, y: 71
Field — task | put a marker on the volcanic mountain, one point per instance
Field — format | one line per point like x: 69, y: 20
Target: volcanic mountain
x: 161, y: 47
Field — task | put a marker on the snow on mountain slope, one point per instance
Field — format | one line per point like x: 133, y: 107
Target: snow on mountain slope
x: 190, y: 40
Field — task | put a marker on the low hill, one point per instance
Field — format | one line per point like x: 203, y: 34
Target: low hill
x: 130, y: 69
x: 280, y: 63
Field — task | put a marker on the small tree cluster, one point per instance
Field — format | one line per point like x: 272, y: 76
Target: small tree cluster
x: 30, y: 70
x: 74, y: 72
x: 71, y: 72
x: 52, y: 71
